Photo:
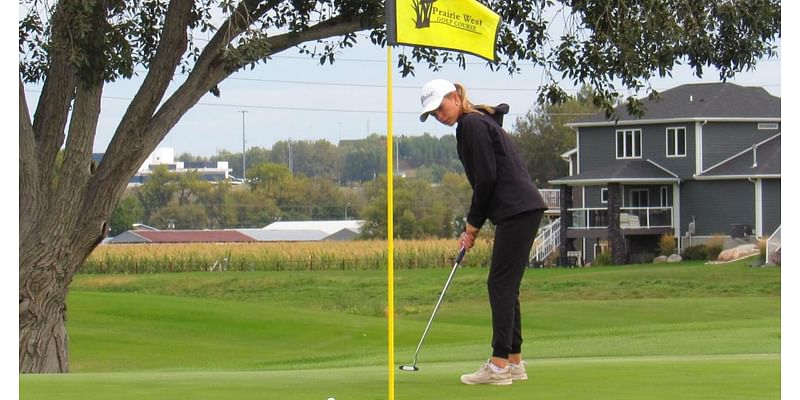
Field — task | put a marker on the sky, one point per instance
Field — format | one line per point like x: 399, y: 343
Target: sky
x: 292, y: 97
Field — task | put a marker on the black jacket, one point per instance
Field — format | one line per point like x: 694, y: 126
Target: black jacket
x: 501, y: 186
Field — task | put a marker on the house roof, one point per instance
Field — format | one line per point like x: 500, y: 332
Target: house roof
x: 761, y: 160
x: 126, y: 237
x: 329, y: 227
x: 216, y: 236
x: 143, y: 227
x: 285, y: 235
x: 628, y: 172
x: 283, y: 231
x: 702, y: 101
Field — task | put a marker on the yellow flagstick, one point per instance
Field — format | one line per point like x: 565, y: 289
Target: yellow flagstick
x: 390, y: 217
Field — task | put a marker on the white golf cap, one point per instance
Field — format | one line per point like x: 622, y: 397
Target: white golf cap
x: 432, y: 95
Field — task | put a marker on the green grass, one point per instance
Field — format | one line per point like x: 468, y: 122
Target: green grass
x: 636, y: 332
x: 698, y: 377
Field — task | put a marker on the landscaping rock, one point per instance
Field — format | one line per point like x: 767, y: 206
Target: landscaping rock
x: 660, y: 260
x: 775, y: 257
x: 738, y: 252
x: 674, y: 258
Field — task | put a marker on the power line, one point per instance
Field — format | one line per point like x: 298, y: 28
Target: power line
x: 346, y: 84
x: 383, y: 86
x: 280, y: 108
x: 370, y: 85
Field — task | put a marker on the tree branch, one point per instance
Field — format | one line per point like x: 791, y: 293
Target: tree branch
x: 78, y: 164
x: 28, y: 172
x: 52, y: 109
x: 131, y: 133
x: 133, y: 141
x: 340, y: 25
x: 198, y: 84
x: 247, y: 12
x: 209, y: 71
x: 162, y: 69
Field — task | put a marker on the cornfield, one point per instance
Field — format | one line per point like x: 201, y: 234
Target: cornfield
x: 333, y: 255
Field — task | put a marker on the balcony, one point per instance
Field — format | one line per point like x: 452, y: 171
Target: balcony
x: 552, y: 198
x: 634, y: 220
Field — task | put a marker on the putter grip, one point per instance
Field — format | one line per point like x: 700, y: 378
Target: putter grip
x: 460, y: 255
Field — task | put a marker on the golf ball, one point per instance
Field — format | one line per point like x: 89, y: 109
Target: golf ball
x: 331, y: 398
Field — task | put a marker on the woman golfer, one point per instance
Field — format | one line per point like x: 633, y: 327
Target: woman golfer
x: 503, y: 192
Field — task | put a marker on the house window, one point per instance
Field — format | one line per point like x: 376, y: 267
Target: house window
x: 676, y: 142
x: 629, y: 143
x: 640, y: 198
x: 664, y: 196
x: 604, y: 195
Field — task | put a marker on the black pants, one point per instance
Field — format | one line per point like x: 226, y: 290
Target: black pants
x: 512, y: 245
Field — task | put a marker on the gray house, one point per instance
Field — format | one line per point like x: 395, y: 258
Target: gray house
x: 703, y: 161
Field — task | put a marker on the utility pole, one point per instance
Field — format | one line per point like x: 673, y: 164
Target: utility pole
x: 291, y: 161
x: 397, y: 155
x: 244, y: 164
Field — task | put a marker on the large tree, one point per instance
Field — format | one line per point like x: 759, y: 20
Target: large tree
x: 74, y: 47
x: 542, y: 135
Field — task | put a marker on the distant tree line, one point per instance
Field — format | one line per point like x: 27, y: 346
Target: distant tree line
x: 316, y: 180
x: 352, y: 161
x: 170, y: 200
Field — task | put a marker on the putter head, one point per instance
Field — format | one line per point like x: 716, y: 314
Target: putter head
x: 409, y: 368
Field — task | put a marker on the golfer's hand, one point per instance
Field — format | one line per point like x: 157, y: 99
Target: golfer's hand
x: 467, y: 239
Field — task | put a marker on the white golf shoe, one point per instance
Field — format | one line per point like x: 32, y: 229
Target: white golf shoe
x: 486, y: 375
x: 518, y: 372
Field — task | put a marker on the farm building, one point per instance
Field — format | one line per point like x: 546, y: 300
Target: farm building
x: 282, y: 231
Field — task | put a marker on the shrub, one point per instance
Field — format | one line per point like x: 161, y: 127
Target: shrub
x: 696, y: 252
x: 552, y: 259
x: 602, y: 259
x: 714, y: 246
x: 667, y: 244
x: 762, y: 247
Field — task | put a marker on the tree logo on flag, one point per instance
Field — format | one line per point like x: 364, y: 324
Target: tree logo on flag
x: 423, y: 9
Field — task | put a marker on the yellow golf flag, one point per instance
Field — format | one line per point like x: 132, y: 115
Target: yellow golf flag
x: 462, y: 25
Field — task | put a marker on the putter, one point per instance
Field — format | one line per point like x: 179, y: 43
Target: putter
x: 413, y: 367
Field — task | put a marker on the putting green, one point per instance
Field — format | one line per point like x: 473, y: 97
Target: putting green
x: 746, y: 376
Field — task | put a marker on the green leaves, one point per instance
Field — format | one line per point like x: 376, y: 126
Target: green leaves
x: 596, y: 42
x: 541, y: 136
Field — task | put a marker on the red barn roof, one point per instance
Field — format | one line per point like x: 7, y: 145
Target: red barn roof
x: 217, y: 236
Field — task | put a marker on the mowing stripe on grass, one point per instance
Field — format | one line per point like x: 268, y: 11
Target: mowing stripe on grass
x: 730, y: 376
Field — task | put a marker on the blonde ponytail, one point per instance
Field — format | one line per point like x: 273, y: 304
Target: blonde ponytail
x: 466, y: 106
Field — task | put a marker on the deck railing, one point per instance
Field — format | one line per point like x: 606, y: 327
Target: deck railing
x: 548, y: 239
x: 773, y: 245
x: 629, y: 217
x: 552, y: 197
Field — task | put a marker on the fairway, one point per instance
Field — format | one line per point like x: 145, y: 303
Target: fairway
x: 688, y: 331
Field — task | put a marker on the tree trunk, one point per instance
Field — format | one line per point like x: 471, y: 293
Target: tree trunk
x: 615, y: 236
x: 565, y: 193
x: 42, y: 312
